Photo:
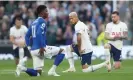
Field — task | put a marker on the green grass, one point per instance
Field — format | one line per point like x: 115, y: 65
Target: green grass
x: 125, y: 73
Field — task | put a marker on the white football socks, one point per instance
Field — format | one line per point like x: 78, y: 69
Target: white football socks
x: 107, y: 54
x: 53, y: 68
x: 94, y: 67
x: 71, y: 62
x: 69, y: 55
x: 21, y: 53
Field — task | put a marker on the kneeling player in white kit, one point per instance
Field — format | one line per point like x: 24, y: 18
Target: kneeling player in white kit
x: 82, y: 45
x: 39, y: 49
x: 17, y: 37
x: 115, y: 32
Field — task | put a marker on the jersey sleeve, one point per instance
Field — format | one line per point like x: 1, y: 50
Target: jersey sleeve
x: 11, y: 32
x: 125, y: 29
x: 41, y: 35
x: 25, y: 29
x: 28, y: 37
x: 88, y: 30
x: 107, y: 28
x: 78, y: 29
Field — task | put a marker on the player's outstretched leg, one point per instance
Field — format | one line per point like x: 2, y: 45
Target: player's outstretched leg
x: 116, y: 64
x: 86, y: 63
x: 21, y: 68
x: 92, y: 68
x: 59, y: 58
x: 69, y: 56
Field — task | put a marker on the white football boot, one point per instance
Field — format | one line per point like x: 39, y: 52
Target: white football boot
x: 70, y: 70
x: 51, y: 72
x: 21, y: 66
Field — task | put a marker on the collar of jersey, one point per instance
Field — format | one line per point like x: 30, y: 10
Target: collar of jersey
x: 42, y: 18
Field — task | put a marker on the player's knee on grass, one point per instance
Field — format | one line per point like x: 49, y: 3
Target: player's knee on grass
x: 16, y: 61
x: 85, y: 66
x: 39, y: 71
x: 117, y: 65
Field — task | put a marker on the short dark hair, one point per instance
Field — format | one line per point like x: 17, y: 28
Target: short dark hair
x: 115, y: 12
x: 18, y: 17
x: 40, y: 8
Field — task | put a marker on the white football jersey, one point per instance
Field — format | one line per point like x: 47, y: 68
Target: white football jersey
x: 86, y: 45
x: 19, y: 34
x: 116, y: 30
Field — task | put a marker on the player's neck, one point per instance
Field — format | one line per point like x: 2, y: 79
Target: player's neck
x: 42, y: 17
x: 45, y: 19
x: 77, y: 21
x: 117, y: 22
x: 17, y: 27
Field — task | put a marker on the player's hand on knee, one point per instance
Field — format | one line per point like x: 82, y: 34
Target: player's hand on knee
x: 117, y: 37
x: 82, y: 51
x: 41, y: 51
x: 21, y: 44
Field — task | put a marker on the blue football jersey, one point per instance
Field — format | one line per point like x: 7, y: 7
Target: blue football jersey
x: 36, y: 34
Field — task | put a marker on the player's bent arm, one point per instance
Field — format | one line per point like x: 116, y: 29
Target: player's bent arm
x: 41, y: 35
x: 12, y: 39
x: 125, y: 32
x: 42, y: 38
x: 79, y: 41
x: 107, y: 31
x: 108, y: 37
x: 125, y: 35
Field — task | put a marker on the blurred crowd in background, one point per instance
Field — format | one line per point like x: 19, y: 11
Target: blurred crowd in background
x: 59, y: 31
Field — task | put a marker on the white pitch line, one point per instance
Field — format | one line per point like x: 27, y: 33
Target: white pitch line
x: 13, y: 72
x: 8, y: 70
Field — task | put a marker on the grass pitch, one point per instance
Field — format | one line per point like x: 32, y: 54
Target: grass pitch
x: 125, y: 73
